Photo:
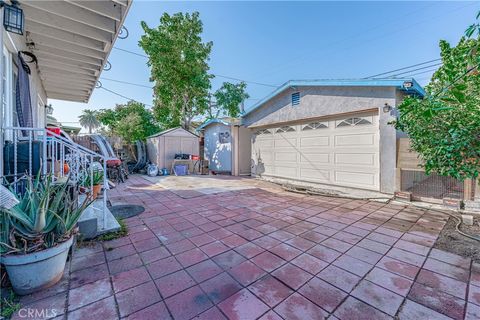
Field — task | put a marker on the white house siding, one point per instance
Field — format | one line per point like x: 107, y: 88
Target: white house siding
x: 12, y: 43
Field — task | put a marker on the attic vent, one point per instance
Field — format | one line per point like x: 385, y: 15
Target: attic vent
x: 295, y: 98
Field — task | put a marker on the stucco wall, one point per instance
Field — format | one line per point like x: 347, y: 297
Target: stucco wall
x: 316, y: 102
x: 388, y: 145
x: 218, y: 154
x: 245, y: 150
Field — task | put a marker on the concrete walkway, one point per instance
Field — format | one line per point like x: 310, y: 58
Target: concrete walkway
x: 263, y: 253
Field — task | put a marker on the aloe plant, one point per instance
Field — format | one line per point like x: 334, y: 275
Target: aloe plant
x: 92, y: 179
x: 44, y: 217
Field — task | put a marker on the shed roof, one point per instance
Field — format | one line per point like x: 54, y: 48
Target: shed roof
x: 211, y: 121
x: 170, y: 131
x: 397, y: 83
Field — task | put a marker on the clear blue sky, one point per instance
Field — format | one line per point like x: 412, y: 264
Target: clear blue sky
x: 273, y: 42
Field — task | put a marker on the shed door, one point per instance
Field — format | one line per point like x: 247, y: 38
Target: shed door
x: 342, y: 151
x: 173, y: 145
x: 189, y: 146
x: 218, y: 147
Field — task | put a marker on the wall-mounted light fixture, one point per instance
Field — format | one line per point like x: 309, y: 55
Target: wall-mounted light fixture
x: 13, y: 19
x: 387, y: 108
x: 48, y: 109
x: 408, y: 84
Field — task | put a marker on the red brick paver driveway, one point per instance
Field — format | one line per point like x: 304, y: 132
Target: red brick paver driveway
x: 255, y: 254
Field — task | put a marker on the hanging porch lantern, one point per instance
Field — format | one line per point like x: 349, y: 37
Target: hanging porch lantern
x: 13, y: 17
x: 49, y: 109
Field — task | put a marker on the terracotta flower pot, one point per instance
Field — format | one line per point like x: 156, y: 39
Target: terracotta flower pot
x: 96, y: 190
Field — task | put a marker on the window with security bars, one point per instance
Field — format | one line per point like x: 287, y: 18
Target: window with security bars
x: 295, y: 98
x: 315, y: 125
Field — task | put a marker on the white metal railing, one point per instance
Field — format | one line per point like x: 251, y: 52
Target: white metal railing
x: 30, y: 151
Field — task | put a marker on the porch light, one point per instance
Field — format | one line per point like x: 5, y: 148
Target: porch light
x: 49, y: 109
x: 12, y: 17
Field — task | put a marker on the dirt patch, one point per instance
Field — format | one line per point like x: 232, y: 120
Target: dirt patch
x: 452, y: 241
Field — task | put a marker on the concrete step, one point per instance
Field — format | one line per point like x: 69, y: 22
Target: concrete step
x: 473, y: 206
x: 97, y: 220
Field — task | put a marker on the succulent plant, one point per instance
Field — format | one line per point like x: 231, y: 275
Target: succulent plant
x: 91, y: 179
x: 45, y: 216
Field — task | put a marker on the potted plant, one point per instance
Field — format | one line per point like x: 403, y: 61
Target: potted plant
x: 93, y: 180
x: 37, y: 233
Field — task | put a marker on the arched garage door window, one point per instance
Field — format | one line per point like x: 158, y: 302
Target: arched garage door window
x: 353, y: 122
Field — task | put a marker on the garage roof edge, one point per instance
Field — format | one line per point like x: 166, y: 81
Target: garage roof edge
x: 397, y: 83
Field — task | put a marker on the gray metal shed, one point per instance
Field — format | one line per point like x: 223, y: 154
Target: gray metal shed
x: 163, y: 146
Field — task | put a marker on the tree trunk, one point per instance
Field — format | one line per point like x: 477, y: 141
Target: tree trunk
x: 185, y: 120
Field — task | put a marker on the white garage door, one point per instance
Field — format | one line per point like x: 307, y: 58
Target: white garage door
x: 342, y: 151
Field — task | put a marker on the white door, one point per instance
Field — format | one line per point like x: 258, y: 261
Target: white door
x: 342, y: 151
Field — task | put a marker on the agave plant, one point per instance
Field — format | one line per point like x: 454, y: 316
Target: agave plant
x: 45, y: 216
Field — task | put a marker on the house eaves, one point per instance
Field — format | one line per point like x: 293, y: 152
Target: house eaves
x: 72, y: 40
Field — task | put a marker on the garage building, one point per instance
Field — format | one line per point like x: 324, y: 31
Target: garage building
x: 332, y: 132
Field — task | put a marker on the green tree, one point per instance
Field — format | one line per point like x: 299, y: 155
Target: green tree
x: 230, y: 96
x: 179, y: 68
x: 444, y: 126
x: 88, y: 119
x: 131, y: 121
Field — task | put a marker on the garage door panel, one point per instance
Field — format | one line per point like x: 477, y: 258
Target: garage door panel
x: 267, y: 143
x: 266, y: 157
x: 361, y: 159
x: 319, y: 141
x: 286, y: 156
x: 286, y: 171
x: 268, y: 169
x: 278, y: 143
x: 309, y: 157
x: 347, y: 155
x: 366, y: 139
x: 355, y: 178
x: 321, y: 175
